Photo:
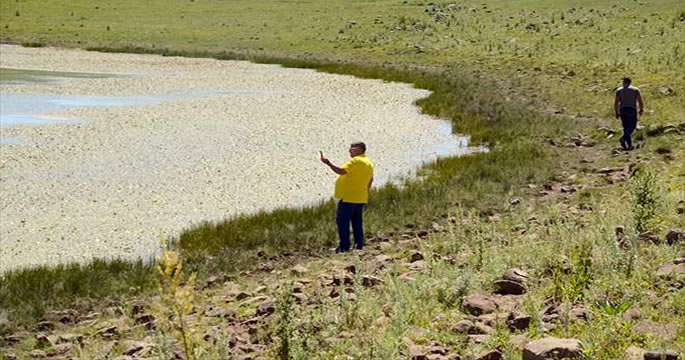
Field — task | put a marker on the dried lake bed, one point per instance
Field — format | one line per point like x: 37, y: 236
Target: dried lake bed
x: 101, y: 154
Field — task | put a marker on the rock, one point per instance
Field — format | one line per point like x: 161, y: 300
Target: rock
x: 665, y: 90
x: 212, y: 281
x: 673, y: 269
x: 665, y: 332
x: 422, y: 233
x: 518, y: 322
x: 242, y: 295
x: 383, y: 260
x: 418, y: 352
x: 351, y: 268
x: 478, y: 339
x: 415, y: 256
x: 106, y: 350
x: 108, y: 331
x: 568, y: 189
x: 635, y: 353
x: 478, y: 305
x: 580, y: 312
x: 137, y: 348
x: 490, y: 355
x: 514, y: 201
x: 300, y: 298
x: 38, y: 354
x: 508, y: 287
x: 633, y: 313
x: 465, y: 327
x: 553, y: 348
x: 649, y: 237
x: 10, y: 356
x: 674, y: 236
x: 266, y: 308
x: 370, y: 281
x: 145, y: 319
x: 299, y: 270
x: 42, y: 340
x: 661, y: 355
x: 45, y: 326
x: 60, y: 349
x: 517, y: 275
x: 266, y: 267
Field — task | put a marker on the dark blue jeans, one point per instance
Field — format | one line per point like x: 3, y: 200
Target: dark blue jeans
x: 629, y: 122
x: 350, y: 213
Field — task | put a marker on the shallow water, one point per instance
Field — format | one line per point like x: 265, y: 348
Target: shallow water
x: 183, y: 141
x: 37, y: 109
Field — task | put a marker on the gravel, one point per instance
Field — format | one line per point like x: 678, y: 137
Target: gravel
x: 208, y: 140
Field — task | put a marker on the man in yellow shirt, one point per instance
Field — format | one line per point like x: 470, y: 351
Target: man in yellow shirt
x: 352, y: 192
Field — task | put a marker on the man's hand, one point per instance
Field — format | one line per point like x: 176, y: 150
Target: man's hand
x: 324, y: 159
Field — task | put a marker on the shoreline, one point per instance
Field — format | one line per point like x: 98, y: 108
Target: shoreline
x: 110, y: 185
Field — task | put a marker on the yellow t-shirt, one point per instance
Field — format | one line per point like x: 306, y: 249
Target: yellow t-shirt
x: 353, y: 186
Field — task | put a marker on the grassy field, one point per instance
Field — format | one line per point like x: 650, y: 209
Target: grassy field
x: 516, y: 75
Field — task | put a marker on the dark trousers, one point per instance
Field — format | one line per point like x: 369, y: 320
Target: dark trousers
x: 350, y: 213
x: 629, y: 121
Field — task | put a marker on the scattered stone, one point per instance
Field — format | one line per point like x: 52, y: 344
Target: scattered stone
x: 351, y: 268
x: 59, y: 349
x: 633, y: 313
x: 665, y: 90
x: 242, y: 295
x: 106, y: 350
x: 517, y: 275
x: 300, y: 298
x: 568, y: 189
x: 508, y: 287
x: 515, y: 201
x: 661, y: 355
x: 137, y: 349
x: 490, y: 355
x: 266, y: 308
x: 299, y: 270
x: 38, y: 354
x: 416, y: 256
x: 553, y: 348
x: 674, y: 236
x: 212, y: 281
x: 478, y: 339
x: 108, y: 331
x: 42, y: 340
x: 45, y: 326
x: 383, y: 260
x: 465, y: 327
x: 518, y: 321
x: 672, y: 269
x: 621, y: 238
x: 649, y: 237
x: 370, y: 281
x: 663, y: 331
x: 635, y: 353
x: 478, y: 305
x: 146, y: 319
x: 266, y: 267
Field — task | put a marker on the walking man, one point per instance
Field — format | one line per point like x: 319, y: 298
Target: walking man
x: 352, y: 191
x: 626, y: 103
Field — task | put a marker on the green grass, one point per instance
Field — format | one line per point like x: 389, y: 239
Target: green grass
x: 499, y: 71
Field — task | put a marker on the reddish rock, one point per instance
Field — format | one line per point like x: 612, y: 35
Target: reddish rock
x: 490, y: 355
x: 415, y: 256
x: 553, y: 348
x: 478, y: 305
x: 661, y: 355
x: 518, y: 322
x: 508, y: 287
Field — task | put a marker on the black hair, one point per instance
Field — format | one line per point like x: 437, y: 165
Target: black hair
x: 359, y: 145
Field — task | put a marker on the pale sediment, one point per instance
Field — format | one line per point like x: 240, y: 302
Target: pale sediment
x: 222, y: 137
